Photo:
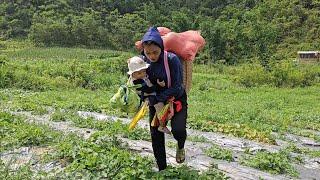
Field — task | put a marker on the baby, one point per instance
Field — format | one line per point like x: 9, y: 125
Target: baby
x: 138, y: 75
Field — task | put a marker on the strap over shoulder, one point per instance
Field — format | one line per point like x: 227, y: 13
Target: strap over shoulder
x: 166, y: 66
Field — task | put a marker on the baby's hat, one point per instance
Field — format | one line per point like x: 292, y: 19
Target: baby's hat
x: 136, y: 64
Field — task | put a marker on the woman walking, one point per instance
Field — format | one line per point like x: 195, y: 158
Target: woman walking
x: 171, y: 76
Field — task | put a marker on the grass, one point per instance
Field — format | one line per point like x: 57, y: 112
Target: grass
x: 85, y: 79
x: 260, y: 110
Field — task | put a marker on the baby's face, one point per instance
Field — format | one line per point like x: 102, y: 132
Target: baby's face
x: 140, y: 74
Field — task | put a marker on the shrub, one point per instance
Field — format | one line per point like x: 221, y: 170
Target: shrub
x: 282, y: 74
x: 252, y: 75
x: 288, y: 74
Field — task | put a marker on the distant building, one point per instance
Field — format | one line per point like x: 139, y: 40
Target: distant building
x: 308, y: 56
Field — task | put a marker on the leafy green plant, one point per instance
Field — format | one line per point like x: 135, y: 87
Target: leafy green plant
x: 171, y: 144
x: 23, y: 172
x: 213, y: 173
x: 102, y: 157
x: 183, y: 172
x: 110, y: 127
x: 302, y: 150
x: 217, y: 152
x: 238, y: 130
x: 16, y: 133
x: 58, y: 116
x: 276, y: 163
x: 197, y: 139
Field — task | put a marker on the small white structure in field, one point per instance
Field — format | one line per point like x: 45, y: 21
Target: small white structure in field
x: 308, y: 56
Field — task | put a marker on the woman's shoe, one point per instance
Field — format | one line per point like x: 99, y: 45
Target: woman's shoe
x: 180, y: 155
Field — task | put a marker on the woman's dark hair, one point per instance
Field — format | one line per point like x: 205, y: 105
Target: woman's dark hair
x: 149, y: 43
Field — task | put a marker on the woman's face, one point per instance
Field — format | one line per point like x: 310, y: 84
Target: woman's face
x: 152, y: 52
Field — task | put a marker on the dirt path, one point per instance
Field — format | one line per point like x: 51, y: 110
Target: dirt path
x: 195, y: 151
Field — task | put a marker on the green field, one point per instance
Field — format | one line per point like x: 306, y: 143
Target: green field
x: 243, y: 101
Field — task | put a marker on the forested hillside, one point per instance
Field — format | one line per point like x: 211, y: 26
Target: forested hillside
x: 235, y: 31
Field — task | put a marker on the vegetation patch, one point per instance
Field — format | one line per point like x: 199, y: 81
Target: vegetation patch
x: 217, y: 152
x: 23, y: 172
x: 15, y: 133
x: 197, y: 139
x: 302, y: 150
x: 184, y: 172
x: 238, y: 130
x: 276, y: 163
x: 280, y: 74
x: 109, y: 127
x: 103, y: 156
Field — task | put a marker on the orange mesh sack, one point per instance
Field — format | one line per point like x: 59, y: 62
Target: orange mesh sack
x: 185, y: 44
x: 163, y: 30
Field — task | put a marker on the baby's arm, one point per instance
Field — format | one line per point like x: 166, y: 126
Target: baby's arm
x: 148, y: 87
x: 161, y: 83
x: 148, y: 82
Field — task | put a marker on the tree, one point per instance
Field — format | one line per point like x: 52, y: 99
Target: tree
x: 126, y: 30
x: 181, y: 20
